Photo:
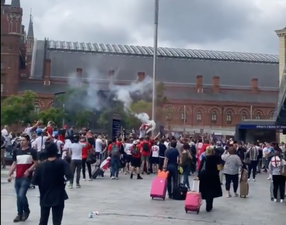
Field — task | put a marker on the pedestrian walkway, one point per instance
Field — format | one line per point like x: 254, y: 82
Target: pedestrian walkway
x: 127, y: 202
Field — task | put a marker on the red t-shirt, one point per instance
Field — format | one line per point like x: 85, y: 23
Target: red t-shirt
x: 85, y: 150
x: 50, y: 131
x: 144, y: 153
x: 138, y: 155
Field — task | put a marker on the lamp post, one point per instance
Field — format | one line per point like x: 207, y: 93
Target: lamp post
x: 155, y: 47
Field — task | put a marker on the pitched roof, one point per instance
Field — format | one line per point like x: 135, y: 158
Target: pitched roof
x: 175, y: 66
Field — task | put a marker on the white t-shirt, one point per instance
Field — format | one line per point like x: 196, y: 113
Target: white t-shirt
x: 127, y: 148
x: 76, y: 150
x: 98, y: 145
x: 59, y: 143
x: 155, y: 151
x: 28, y: 131
x: 66, y: 147
x: 39, y: 144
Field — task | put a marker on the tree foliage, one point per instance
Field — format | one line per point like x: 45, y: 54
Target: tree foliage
x: 83, y: 118
x: 57, y: 115
x: 18, y: 108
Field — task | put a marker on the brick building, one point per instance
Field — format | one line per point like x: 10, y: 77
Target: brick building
x: 217, y: 89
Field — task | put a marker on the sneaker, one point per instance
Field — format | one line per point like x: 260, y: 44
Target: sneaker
x: 282, y: 200
x: 89, y: 179
x: 25, y: 216
x: 116, y: 178
x: 275, y: 200
x: 78, y: 186
x: 248, y: 179
x: 139, y: 177
x: 84, y: 179
x: 17, y: 219
x: 269, y: 178
x: 70, y: 186
x: 254, y: 180
x: 235, y: 195
x: 112, y: 178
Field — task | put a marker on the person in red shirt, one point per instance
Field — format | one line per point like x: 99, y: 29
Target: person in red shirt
x: 135, y: 160
x: 145, y: 149
x: 85, y: 152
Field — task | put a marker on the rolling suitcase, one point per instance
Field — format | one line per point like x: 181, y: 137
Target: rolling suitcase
x: 193, y: 200
x: 180, y: 192
x: 158, y: 188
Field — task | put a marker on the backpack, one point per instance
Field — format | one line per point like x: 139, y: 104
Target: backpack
x: 185, y: 159
x: 134, y: 150
x: 114, y: 150
x: 145, y: 147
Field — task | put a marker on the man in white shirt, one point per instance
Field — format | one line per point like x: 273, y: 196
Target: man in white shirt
x: 127, y: 149
x: 66, y: 150
x: 76, y: 159
x: 99, y: 143
x: 155, y: 158
x: 30, y: 129
x: 39, y: 145
x: 59, y: 144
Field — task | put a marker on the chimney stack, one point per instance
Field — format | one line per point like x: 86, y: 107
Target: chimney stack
x: 216, y: 88
x: 200, y: 84
x: 140, y: 76
x: 254, y: 85
x: 47, y: 72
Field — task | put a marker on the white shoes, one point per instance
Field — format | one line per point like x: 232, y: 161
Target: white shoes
x: 275, y: 200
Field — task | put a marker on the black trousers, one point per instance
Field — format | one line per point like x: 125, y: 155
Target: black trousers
x: 57, y: 214
x: 278, y: 183
x: 252, y: 167
x: 231, y: 178
x: 88, y: 168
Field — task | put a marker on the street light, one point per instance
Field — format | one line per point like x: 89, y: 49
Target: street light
x: 155, y: 47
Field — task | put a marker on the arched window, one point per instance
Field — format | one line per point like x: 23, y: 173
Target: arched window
x: 243, y: 116
x: 37, y: 109
x: 184, y: 116
x: 228, y: 117
x: 199, y: 116
x: 258, y: 116
x: 213, y: 117
x: 271, y: 116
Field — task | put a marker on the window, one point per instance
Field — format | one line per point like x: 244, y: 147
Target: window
x: 199, y: 116
x: 213, y: 117
x: 183, y: 116
x: 228, y: 117
x: 271, y: 116
x: 37, y: 109
x: 258, y: 116
x: 1, y: 88
x: 243, y: 117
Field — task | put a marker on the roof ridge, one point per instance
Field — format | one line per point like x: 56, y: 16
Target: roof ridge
x: 162, y: 52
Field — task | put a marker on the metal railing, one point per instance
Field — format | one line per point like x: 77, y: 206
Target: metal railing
x: 281, y: 95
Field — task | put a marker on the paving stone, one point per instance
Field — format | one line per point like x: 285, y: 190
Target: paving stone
x: 127, y: 202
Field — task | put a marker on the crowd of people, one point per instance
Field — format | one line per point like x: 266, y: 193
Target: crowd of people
x: 51, y: 158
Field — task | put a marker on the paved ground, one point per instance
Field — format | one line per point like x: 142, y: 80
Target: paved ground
x: 127, y: 202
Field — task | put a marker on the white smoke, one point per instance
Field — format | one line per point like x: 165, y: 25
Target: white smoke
x: 122, y: 93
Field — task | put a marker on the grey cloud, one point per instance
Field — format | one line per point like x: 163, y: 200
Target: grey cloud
x: 182, y: 23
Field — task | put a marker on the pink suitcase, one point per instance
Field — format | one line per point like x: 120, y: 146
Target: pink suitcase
x: 158, y: 188
x: 193, y: 202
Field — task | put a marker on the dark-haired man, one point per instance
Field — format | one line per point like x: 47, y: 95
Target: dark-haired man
x: 24, y: 162
x: 51, y: 176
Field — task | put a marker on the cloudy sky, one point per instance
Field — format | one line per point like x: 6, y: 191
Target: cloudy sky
x: 244, y: 25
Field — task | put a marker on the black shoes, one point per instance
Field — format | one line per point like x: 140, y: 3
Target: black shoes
x: 17, y: 219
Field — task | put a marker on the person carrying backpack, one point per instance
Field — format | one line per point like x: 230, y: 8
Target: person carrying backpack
x: 114, y: 153
x: 145, y: 154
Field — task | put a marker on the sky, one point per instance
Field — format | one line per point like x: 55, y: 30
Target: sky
x: 230, y: 25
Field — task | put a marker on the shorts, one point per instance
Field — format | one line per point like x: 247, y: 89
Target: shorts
x: 135, y: 162
x: 145, y: 158
x: 155, y: 160
x: 128, y: 158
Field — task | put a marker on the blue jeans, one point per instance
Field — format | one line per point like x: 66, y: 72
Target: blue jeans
x: 21, y: 187
x: 114, y: 166
x: 186, y: 173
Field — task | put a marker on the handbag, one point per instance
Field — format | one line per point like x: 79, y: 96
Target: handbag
x: 91, y: 158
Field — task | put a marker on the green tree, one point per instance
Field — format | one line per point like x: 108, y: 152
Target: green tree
x: 83, y: 118
x: 18, y: 108
x: 57, y: 115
